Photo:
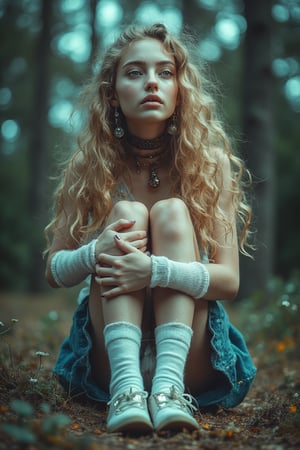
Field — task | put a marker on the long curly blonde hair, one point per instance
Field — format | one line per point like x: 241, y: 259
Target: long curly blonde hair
x: 92, y: 172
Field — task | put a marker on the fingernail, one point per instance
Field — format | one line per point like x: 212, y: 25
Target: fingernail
x: 117, y: 237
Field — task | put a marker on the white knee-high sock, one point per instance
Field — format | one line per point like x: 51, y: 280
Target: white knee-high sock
x: 123, y: 341
x: 173, y: 342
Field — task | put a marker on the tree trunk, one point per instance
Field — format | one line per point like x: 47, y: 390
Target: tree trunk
x: 94, y: 40
x: 257, y: 149
x: 38, y: 198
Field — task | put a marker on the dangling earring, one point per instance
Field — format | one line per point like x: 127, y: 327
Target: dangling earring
x: 172, y: 128
x: 118, y: 131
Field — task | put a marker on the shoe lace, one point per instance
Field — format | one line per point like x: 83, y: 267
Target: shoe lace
x: 128, y: 398
x: 186, y: 401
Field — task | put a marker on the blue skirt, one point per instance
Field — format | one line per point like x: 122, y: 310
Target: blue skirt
x: 229, y: 356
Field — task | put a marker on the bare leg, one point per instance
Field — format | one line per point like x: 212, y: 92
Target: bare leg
x: 173, y: 236
x: 128, y: 308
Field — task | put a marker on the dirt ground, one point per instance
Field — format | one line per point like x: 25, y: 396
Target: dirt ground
x: 268, y: 419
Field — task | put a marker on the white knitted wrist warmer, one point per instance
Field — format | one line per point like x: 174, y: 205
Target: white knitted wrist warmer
x: 70, y: 267
x: 190, y: 278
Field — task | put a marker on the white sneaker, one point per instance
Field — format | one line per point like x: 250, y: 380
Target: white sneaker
x: 128, y: 411
x: 172, y: 410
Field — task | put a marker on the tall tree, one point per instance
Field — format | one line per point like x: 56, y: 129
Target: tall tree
x: 38, y: 198
x: 94, y: 39
x: 258, y: 140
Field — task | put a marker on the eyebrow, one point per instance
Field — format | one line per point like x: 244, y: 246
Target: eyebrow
x: 143, y: 63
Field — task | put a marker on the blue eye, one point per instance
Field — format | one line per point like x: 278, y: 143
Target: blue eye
x: 134, y: 73
x: 166, y: 73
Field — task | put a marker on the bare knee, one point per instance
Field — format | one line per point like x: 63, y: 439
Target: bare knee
x: 170, y: 219
x: 131, y: 211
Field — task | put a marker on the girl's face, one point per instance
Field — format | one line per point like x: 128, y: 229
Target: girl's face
x: 146, y: 87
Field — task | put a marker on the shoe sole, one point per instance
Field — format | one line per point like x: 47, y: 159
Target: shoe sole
x: 135, y: 425
x: 179, y: 423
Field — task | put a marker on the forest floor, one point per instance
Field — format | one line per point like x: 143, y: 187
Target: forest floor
x: 35, y: 413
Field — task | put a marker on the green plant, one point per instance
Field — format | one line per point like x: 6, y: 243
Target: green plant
x: 273, y: 315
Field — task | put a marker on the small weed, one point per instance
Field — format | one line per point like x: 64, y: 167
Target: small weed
x: 44, y: 428
x: 31, y: 418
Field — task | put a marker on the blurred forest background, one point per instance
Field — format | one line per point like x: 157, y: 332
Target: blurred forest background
x: 252, y: 49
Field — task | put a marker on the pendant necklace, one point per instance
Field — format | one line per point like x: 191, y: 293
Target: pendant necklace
x: 149, y: 161
x: 152, y: 166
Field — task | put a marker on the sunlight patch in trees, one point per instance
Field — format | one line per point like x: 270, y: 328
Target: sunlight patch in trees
x: 10, y: 130
x: 280, y: 13
x: 209, y: 4
x: 292, y: 92
x: 109, y: 14
x: 75, y: 44
x: 5, y: 96
x: 59, y: 113
x: 229, y: 30
x: 71, y: 5
x: 209, y: 50
x: 148, y: 13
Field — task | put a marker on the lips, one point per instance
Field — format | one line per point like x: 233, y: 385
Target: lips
x: 152, y: 99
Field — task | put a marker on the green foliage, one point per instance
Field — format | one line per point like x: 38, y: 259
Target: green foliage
x: 55, y: 422
x: 29, y: 429
x: 32, y: 417
x: 273, y: 316
x: 19, y: 433
x: 22, y: 409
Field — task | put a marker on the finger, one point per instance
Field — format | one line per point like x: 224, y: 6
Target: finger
x: 112, y: 293
x: 107, y: 281
x: 142, y: 248
x: 106, y: 260
x: 104, y: 271
x: 125, y: 246
x: 141, y: 243
x: 121, y: 224
x: 135, y: 235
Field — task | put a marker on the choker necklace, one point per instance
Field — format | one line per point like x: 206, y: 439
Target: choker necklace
x: 147, y: 144
x: 146, y: 162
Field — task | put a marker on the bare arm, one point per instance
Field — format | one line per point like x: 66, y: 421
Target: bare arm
x: 69, y: 263
x: 224, y: 271
x: 61, y: 241
x: 68, y: 267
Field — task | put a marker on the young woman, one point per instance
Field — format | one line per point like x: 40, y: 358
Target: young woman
x: 151, y: 209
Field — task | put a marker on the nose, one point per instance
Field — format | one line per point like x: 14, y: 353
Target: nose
x: 151, y: 82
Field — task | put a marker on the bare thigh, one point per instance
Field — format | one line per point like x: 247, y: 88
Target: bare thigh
x: 200, y: 374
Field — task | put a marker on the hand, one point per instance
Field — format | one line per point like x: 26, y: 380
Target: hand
x: 106, y: 242
x: 129, y: 272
